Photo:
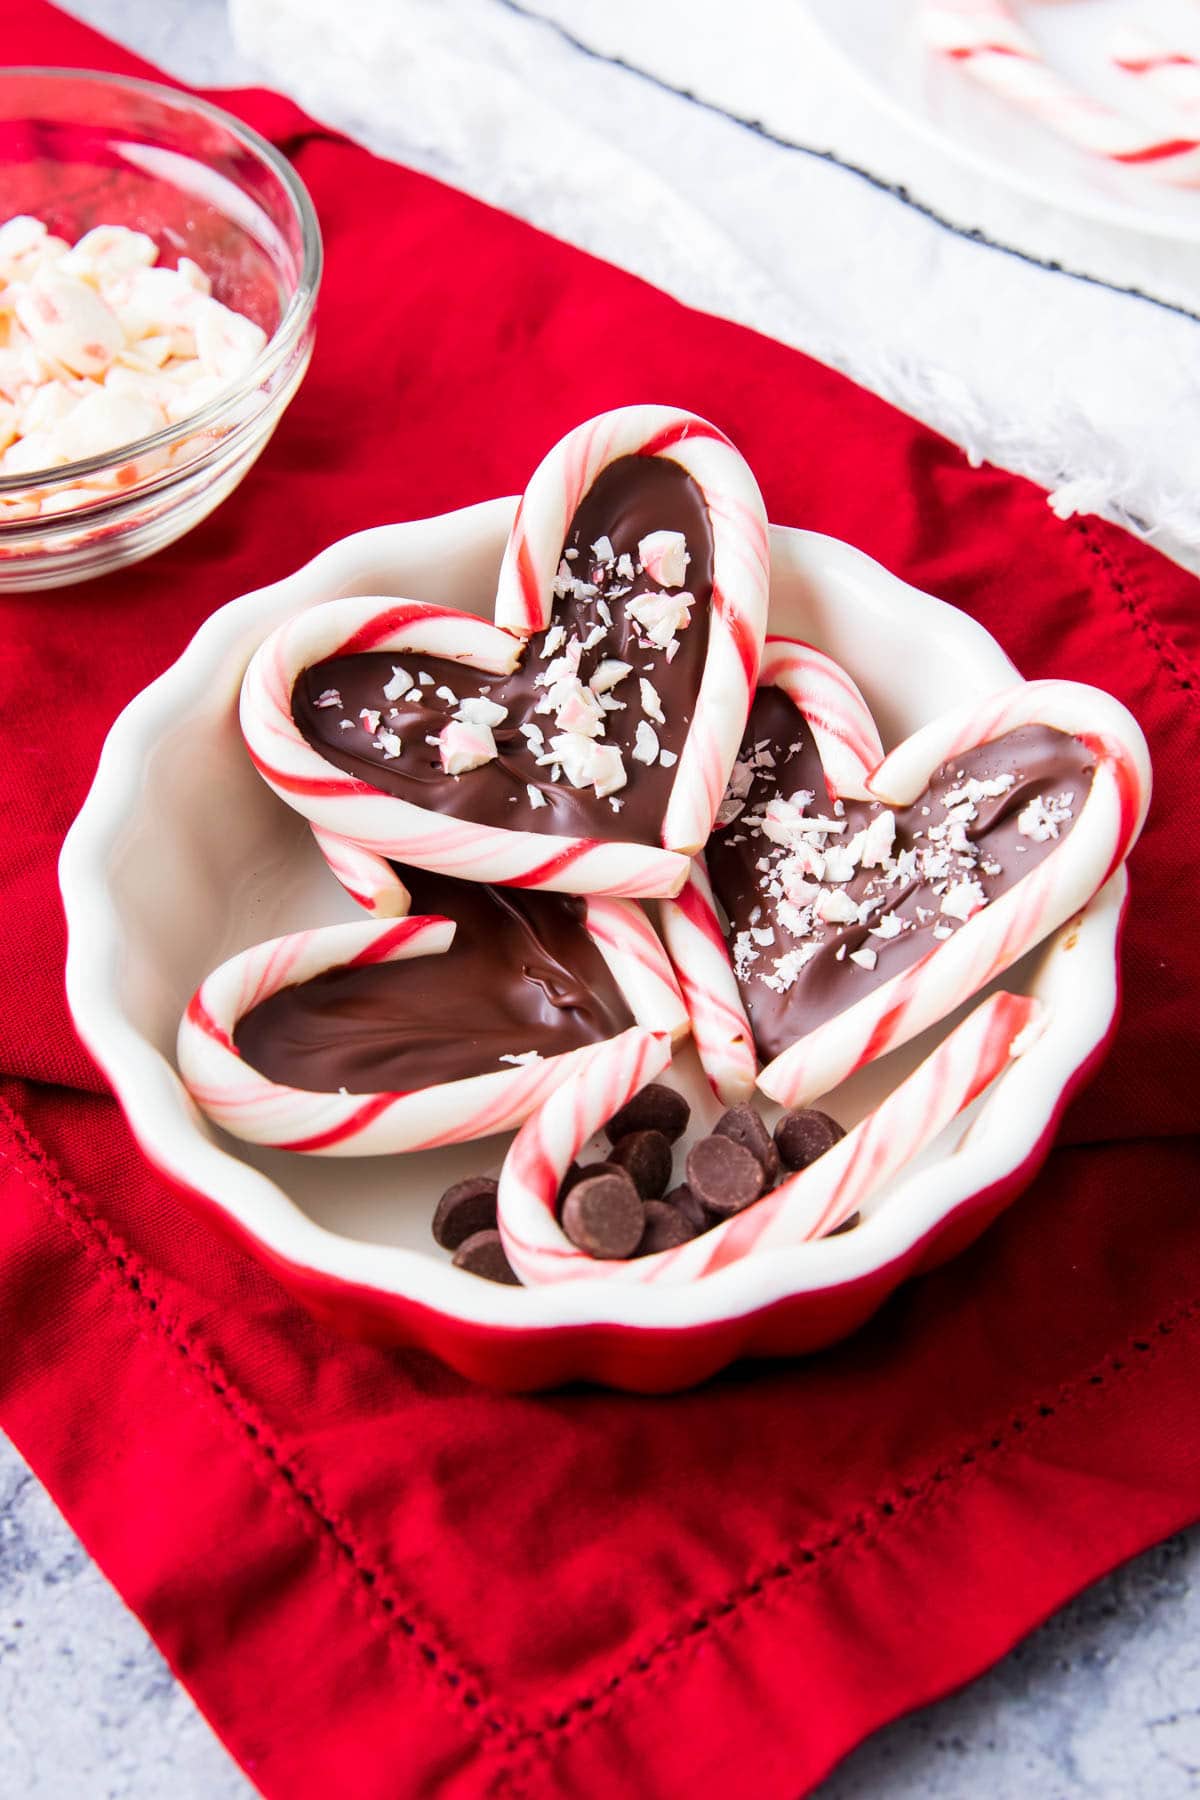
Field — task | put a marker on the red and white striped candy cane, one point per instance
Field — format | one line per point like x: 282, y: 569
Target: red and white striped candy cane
x: 1164, y: 71
x: 352, y: 809
x: 848, y: 742
x: 639, y: 965
x: 808, y: 1205
x: 984, y: 37
x: 741, y: 568
x: 369, y: 879
x: 236, y: 1096
x: 721, y: 1030
x: 834, y: 709
x: 989, y: 942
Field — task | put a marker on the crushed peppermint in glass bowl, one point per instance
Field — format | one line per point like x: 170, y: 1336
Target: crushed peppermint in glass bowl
x: 159, y: 266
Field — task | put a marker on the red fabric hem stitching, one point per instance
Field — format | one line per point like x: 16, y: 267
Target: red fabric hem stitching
x: 864, y: 1528
x: 505, y: 1732
x: 1176, y: 663
x: 135, y: 1282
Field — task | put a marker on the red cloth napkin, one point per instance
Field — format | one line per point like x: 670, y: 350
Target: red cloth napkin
x: 378, y: 1580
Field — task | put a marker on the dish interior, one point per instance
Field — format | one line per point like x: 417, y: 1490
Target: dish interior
x: 211, y: 861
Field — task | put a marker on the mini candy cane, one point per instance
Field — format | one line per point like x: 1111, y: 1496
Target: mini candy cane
x: 741, y: 566
x: 697, y: 948
x: 236, y: 1096
x: 391, y: 827
x: 1013, y: 922
x: 848, y: 742
x: 985, y: 38
x: 808, y: 1205
x: 1166, y: 73
x: 834, y: 709
x: 370, y: 880
x: 639, y: 965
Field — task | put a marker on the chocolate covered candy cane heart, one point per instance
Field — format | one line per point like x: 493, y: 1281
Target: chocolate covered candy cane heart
x: 354, y: 1040
x: 584, y: 741
x: 861, y: 911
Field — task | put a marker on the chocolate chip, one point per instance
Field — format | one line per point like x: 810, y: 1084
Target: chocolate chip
x: 804, y: 1134
x: 846, y: 1225
x: 646, y: 1158
x: 685, y: 1202
x: 665, y: 1228
x: 724, y: 1176
x: 745, y: 1127
x: 483, y: 1254
x: 464, y: 1209
x: 603, y: 1215
x: 652, y: 1108
x: 580, y: 1172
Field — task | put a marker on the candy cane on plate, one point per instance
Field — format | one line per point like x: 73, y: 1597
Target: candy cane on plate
x: 848, y: 743
x: 808, y: 1205
x: 985, y: 38
x: 236, y: 1096
x: 368, y: 878
x: 352, y: 809
x: 994, y: 937
x: 1164, y: 71
x: 741, y: 567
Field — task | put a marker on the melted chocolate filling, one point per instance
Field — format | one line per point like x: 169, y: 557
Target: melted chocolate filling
x: 632, y: 497
x: 1043, y: 762
x: 522, y: 974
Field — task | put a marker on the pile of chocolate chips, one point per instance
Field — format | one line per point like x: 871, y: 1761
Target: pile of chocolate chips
x: 626, y: 1206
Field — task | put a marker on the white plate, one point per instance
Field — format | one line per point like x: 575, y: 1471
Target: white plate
x: 880, y: 43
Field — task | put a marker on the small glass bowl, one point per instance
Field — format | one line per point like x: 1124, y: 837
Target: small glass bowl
x: 79, y: 149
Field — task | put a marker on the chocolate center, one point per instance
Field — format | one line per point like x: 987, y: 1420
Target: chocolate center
x: 521, y: 975
x: 958, y: 847
x: 631, y: 499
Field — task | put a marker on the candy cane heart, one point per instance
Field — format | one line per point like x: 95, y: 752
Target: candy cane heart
x: 840, y: 720
x: 807, y: 1206
x: 251, y: 1104
x: 1084, y: 852
x: 583, y: 742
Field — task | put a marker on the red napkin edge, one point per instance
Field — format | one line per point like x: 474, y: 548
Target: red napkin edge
x: 219, y: 1470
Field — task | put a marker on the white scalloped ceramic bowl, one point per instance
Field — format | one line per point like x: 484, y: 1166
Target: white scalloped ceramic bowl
x: 182, y: 856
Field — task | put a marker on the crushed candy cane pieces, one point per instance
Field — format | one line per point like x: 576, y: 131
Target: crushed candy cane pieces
x: 99, y: 348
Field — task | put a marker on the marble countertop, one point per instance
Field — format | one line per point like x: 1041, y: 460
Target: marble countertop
x: 1103, y: 1701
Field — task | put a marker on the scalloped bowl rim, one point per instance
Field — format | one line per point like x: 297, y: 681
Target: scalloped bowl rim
x: 1019, y: 1113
